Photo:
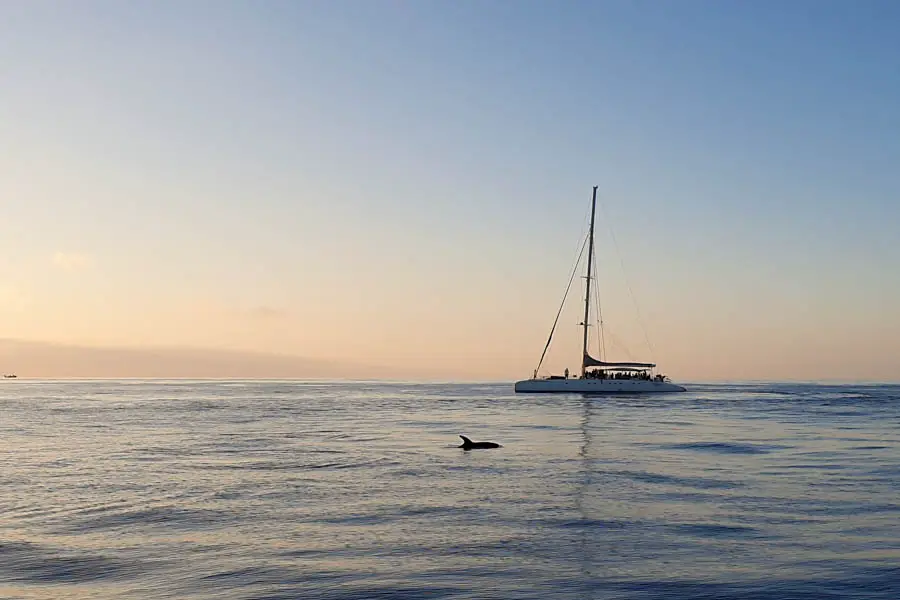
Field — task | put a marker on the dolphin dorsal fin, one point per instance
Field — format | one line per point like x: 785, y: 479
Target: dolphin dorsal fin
x: 465, y: 439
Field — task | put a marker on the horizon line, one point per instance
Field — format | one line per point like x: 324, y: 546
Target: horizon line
x: 443, y: 381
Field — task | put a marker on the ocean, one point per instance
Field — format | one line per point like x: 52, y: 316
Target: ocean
x: 357, y: 490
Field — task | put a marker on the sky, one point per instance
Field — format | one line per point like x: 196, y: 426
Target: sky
x: 404, y: 185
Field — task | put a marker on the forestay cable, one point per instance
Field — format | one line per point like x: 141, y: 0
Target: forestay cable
x: 562, y: 304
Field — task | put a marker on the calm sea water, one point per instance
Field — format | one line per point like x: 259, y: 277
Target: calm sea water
x: 339, y: 491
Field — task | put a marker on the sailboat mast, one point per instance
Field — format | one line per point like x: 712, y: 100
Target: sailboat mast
x: 587, y: 293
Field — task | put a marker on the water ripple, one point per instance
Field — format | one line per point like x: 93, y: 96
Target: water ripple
x: 357, y: 490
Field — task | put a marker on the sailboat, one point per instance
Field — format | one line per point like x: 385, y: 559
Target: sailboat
x: 597, y: 376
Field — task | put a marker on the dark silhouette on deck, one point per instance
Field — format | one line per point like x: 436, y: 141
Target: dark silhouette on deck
x: 470, y: 445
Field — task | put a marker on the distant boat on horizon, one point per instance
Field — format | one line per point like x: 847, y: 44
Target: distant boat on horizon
x: 604, y: 377
x: 10, y: 376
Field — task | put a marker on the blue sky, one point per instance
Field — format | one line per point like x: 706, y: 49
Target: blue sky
x: 375, y: 167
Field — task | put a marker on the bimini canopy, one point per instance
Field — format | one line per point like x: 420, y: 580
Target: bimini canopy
x: 590, y: 361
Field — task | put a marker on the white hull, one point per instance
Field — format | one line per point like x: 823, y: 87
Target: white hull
x: 595, y: 386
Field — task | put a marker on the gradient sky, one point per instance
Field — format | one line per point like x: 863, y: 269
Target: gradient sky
x: 404, y: 183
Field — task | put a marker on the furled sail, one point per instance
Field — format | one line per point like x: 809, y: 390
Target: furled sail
x: 590, y: 361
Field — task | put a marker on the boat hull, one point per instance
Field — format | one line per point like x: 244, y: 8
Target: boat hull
x: 594, y: 386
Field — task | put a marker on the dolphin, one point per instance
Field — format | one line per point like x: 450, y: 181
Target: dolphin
x: 470, y: 445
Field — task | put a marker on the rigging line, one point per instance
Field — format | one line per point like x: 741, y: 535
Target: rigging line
x: 627, y: 283
x: 601, y: 340
x: 584, y: 226
x: 579, y: 253
x: 561, y: 305
x: 619, y: 343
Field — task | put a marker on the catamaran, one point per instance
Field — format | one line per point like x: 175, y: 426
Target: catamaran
x: 597, y: 376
